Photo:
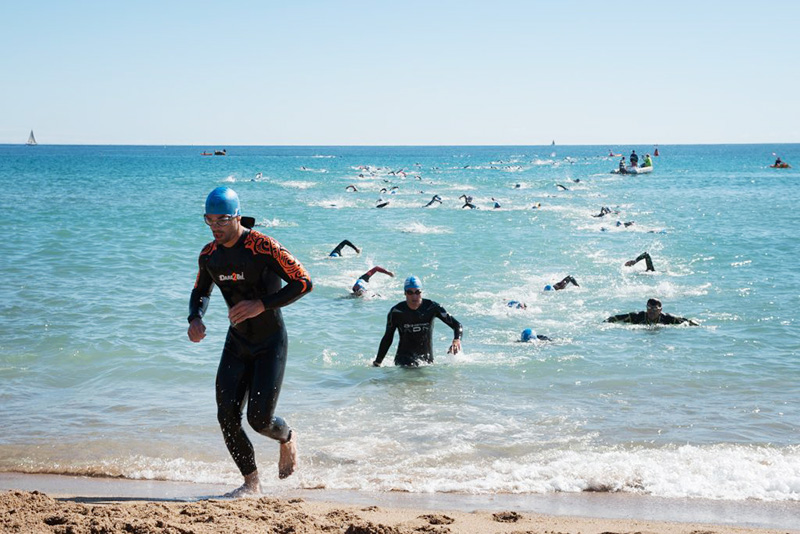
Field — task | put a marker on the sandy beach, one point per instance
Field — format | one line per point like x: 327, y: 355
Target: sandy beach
x: 136, y: 506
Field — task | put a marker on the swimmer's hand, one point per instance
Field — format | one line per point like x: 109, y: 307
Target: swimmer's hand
x: 246, y: 309
x: 455, y: 348
x: 376, y: 363
x: 629, y: 263
x: 197, y: 330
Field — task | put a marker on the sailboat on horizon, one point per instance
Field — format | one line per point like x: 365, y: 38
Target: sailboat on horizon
x: 31, y: 140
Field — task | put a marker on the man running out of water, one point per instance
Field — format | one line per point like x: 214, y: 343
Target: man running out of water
x: 643, y: 256
x: 652, y: 316
x: 248, y: 268
x: 413, y: 318
x: 362, y: 284
x: 337, y: 252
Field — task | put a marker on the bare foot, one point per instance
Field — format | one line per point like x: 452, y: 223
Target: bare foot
x: 288, y: 457
x: 250, y: 488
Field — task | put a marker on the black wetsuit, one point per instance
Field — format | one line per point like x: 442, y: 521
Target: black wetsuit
x: 647, y: 259
x: 641, y: 318
x: 254, y: 355
x: 338, y: 250
x: 416, y: 332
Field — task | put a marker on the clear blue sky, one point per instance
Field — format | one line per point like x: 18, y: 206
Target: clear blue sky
x: 400, y: 73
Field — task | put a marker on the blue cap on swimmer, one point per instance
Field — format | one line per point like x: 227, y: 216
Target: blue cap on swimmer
x: 360, y: 286
x: 334, y: 254
x: 548, y: 287
x: 222, y: 201
x: 412, y: 282
x: 527, y: 335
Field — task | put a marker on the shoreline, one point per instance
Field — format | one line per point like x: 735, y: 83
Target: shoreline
x: 585, y: 513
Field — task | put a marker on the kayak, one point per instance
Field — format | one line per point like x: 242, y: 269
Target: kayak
x: 781, y: 166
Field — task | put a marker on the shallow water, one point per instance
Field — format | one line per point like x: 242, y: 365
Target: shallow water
x: 101, y: 253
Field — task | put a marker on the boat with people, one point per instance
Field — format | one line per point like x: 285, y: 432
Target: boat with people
x: 633, y: 170
x: 223, y: 152
x: 781, y: 165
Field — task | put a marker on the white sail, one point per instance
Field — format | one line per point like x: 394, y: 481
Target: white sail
x: 32, y: 139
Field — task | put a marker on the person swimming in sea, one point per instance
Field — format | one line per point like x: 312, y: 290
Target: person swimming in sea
x: 643, y: 256
x: 528, y: 336
x: 361, y: 287
x: 517, y: 304
x: 604, y: 210
x: 651, y: 316
x: 562, y: 284
x: 337, y: 252
x: 436, y: 198
x: 468, y: 202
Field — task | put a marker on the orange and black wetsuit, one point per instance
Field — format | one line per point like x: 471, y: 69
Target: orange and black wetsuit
x: 254, y: 355
x: 416, y: 332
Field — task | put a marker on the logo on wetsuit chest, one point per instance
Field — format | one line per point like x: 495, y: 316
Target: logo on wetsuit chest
x: 414, y: 328
x: 235, y: 277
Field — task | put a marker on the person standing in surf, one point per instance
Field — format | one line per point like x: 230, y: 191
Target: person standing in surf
x: 413, y: 318
x: 248, y: 268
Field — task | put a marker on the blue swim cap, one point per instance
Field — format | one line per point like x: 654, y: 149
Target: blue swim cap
x: 527, y: 334
x: 360, y: 286
x: 334, y: 254
x: 548, y: 287
x: 222, y: 201
x: 412, y: 282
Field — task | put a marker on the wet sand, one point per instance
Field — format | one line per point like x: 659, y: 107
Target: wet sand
x: 65, y: 504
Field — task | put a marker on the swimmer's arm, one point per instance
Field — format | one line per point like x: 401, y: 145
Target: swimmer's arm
x: 643, y: 256
x: 298, y: 281
x: 376, y: 269
x: 198, y: 303
x: 672, y: 319
x: 386, y: 341
x: 203, y: 284
x: 451, y: 321
x: 349, y: 244
x: 621, y: 318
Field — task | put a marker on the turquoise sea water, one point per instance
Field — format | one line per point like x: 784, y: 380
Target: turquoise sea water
x: 100, y: 254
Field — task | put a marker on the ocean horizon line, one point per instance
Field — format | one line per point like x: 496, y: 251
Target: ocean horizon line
x: 222, y: 144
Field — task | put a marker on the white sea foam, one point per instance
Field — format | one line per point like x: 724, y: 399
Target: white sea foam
x: 419, y: 228
x: 297, y: 184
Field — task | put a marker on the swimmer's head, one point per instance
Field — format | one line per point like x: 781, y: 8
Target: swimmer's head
x: 360, y: 287
x: 654, y: 304
x: 222, y: 201
x: 527, y: 335
x: 548, y: 287
x: 334, y: 254
x: 412, y: 282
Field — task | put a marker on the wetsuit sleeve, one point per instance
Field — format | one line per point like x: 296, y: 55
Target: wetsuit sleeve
x: 386, y: 340
x: 646, y: 257
x: 203, y: 284
x: 282, y: 262
x: 621, y: 318
x: 450, y: 321
x: 671, y: 319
